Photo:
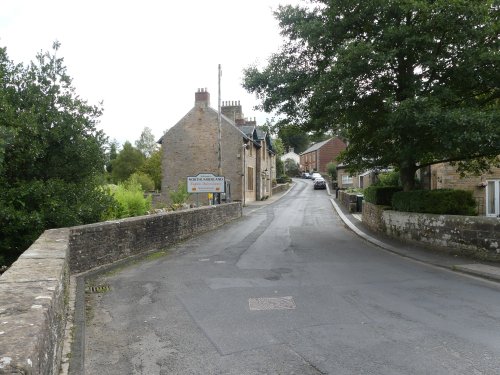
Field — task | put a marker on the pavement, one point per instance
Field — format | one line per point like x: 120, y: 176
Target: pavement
x: 415, y: 252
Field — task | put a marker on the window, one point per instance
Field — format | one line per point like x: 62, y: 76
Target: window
x: 250, y: 178
x: 493, y: 198
x: 346, y: 179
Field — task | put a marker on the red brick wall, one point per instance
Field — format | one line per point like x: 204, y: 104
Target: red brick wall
x: 329, y: 152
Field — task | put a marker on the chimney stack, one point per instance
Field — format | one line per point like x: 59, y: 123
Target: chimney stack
x: 202, y: 98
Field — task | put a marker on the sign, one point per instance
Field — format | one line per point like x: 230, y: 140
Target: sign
x: 206, y: 183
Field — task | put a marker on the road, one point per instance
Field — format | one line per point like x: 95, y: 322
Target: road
x: 289, y: 290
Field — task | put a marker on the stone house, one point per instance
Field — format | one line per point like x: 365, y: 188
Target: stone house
x: 485, y: 188
x: 190, y: 147
x: 316, y: 157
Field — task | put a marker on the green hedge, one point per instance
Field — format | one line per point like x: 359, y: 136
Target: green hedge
x: 442, y: 201
x: 381, y: 195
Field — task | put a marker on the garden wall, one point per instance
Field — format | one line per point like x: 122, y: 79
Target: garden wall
x: 476, y: 236
x: 34, y: 291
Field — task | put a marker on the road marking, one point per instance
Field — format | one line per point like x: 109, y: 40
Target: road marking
x: 271, y: 303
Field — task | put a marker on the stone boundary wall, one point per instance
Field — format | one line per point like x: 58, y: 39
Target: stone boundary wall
x: 34, y: 291
x: 476, y: 236
x: 348, y: 200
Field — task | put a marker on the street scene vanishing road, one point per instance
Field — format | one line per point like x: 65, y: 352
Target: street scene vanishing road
x: 288, y: 289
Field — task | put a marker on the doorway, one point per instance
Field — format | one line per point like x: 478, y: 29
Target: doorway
x: 493, y: 198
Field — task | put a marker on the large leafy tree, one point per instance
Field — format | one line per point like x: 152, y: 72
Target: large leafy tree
x: 146, y: 143
x: 409, y: 83
x: 51, y: 154
x: 128, y: 161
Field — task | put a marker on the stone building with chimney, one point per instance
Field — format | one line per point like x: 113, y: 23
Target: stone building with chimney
x: 190, y: 147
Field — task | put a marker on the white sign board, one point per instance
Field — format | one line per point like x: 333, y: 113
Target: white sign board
x: 205, y: 183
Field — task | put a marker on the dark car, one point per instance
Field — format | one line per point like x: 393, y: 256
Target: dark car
x: 306, y: 175
x: 319, y: 183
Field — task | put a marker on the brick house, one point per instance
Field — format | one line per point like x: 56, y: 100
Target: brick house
x: 485, y: 188
x: 316, y: 157
x: 190, y: 147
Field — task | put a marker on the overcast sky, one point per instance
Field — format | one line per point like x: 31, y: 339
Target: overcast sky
x: 145, y: 59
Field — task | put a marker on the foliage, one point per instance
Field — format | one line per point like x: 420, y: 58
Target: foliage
x: 442, y: 201
x: 111, y: 155
x: 291, y: 168
x: 128, y: 161
x: 146, y: 143
x: 381, y: 195
x: 280, y: 167
x: 278, y: 147
x: 283, y: 179
x: 152, y: 167
x: 331, y: 169
x: 131, y: 200
x: 388, y: 179
x: 51, y: 154
x: 294, y: 136
x: 143, y: 179
x: 180, y: 195
x: 408, y: 83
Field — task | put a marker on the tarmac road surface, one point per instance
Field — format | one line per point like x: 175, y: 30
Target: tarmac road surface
x: 288, y: 289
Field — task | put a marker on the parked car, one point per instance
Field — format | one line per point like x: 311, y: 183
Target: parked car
x: 315, y: 175
x: 319, y: 183
x: 306, y: 175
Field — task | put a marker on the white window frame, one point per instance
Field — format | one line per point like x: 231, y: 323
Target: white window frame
x: 346, y: 179
x: 495, y: 210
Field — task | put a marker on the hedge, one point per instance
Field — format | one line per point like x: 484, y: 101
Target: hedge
x: 380, y: 194
x: 442, y: 201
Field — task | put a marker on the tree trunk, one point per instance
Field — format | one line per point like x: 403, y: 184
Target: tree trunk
x: 407, y: 175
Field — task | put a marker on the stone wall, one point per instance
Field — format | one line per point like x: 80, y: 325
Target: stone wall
x: 34, y: 291
x: 348, y: 200
x: 33, y: 302
x: 475, y: 236
x: 102, y: 243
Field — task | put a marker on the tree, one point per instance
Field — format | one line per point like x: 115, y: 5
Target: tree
x: 291, y: 168
x: 152, y: 167
x: 294, y: 136
x: 146, y: 143
x: 409, y: 83
x: 331, y: 169
x: 51, y: 154
x: 128, y: 161
x: 111, y: 155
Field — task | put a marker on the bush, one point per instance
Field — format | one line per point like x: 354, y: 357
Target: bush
x: 131, y: 200
x: 389, y: 179
x: 146, y: 182
x: 283, y: 179
x: 443, y: 201
x: 180, y: 195
x: 381, y: 195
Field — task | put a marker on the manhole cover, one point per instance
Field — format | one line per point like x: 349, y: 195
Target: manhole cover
x: 271, y: 303
x: 97, y: 288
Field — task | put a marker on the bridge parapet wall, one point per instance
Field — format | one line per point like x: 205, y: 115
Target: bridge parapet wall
x: 34, y: 291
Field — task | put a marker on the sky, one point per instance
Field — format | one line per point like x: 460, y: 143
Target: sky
x: 145, y: 59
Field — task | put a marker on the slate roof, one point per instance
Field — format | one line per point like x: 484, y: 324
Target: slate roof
x: 315, y: 147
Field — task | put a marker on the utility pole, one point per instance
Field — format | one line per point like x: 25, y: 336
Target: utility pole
x: 220, y: 127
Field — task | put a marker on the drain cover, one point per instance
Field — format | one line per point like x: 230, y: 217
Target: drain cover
x: 97, y: 288
x: 272, y: 303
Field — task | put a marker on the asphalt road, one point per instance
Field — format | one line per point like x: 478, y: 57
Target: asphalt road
x: 289, y: 290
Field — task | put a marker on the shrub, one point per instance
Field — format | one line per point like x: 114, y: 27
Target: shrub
x: 389, y: 179
x: 283, y: 179
x: 131, y: 200
x: 143, y: 179
x: 442, y: 201
x: 179, y: 196
x: 381, y: 195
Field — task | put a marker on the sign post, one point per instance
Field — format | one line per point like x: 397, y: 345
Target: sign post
x: 206, y: 183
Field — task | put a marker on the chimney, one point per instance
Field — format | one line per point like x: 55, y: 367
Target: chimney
x: 202, y: 98
x: 232, y: 110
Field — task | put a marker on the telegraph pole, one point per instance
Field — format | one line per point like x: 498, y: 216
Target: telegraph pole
x: 220, y: 126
